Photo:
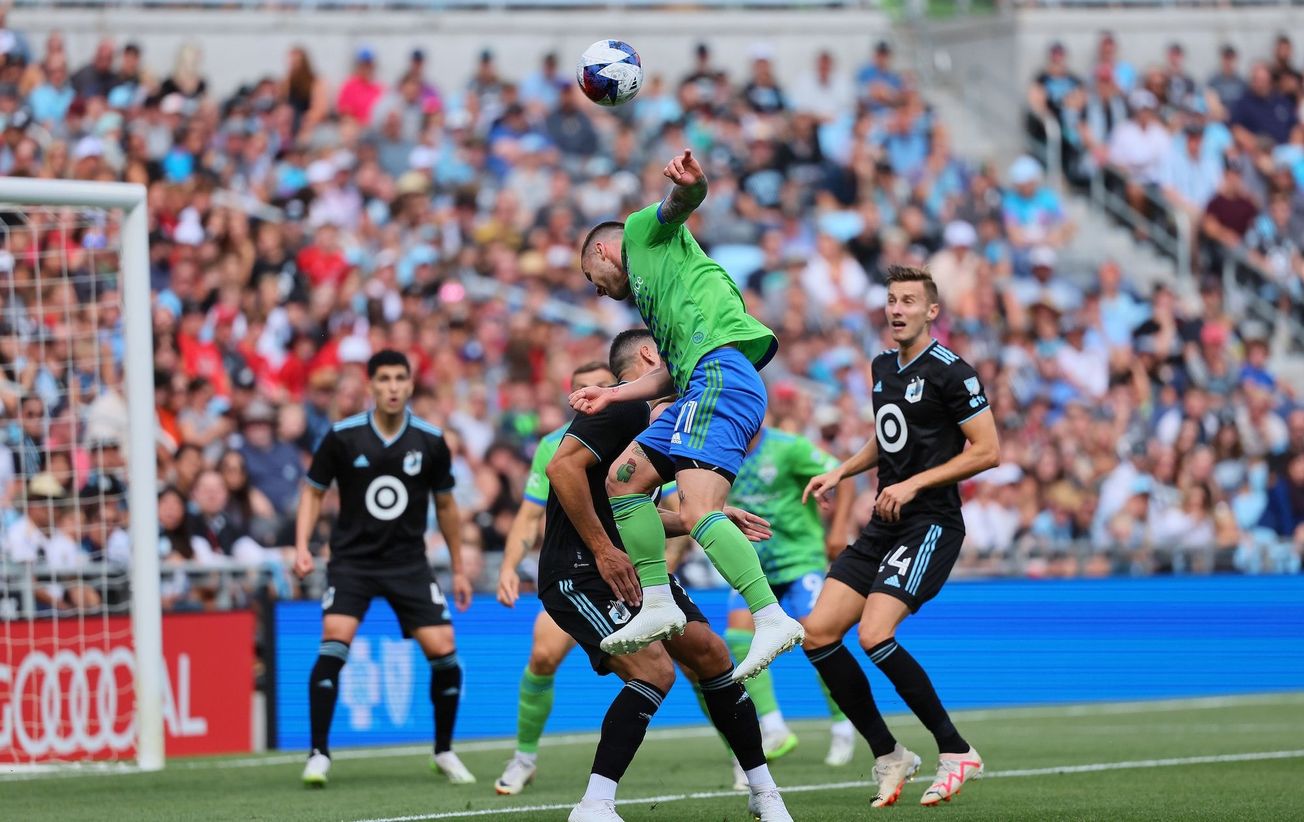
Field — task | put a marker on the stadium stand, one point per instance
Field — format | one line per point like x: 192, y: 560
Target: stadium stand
x: 299, y: 226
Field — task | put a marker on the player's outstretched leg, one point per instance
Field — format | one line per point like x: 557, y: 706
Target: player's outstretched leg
x: 323, y: 690
x: 735, y: 558
x: 551, y: 644
x: 445, y: 694
x: 777, y: 738
x: 644, y: 538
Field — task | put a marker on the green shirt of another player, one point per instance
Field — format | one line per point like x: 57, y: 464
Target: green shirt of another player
x: 537, y: 485
x: 689, y: 303
x: 770, y: 484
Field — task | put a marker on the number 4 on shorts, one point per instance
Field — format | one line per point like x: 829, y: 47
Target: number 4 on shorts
x: 900, y: 563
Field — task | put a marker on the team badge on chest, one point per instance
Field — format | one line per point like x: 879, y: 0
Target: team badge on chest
x: 915, y: 390
x: 412, y: 463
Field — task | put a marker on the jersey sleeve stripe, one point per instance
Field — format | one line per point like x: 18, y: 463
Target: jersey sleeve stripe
x: 586, y: 445
x: 532, y: 498
x: 661, y: 219
x: 422, y: 425
x: 315, y: 484
x: 351, y: 422
x: 974, y: 414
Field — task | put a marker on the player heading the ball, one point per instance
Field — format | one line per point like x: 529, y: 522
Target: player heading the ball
x: 712, y: 351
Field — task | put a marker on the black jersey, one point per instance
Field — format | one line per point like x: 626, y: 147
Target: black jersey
x: 607, y: 434
x: 918, y: 410
x: 385, y: 488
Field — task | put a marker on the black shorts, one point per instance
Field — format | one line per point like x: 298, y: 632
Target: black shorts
x: 911, y: 563
x: 412, y: 593
x: 586, y: 608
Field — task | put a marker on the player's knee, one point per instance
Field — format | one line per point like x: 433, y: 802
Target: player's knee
x: 819, y: 635
x: 543, y: 661
x: 702, y: 651
x: 691, y: 512
x: 872, y: 635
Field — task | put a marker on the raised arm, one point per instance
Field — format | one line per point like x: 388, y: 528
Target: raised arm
x: 688, y: 191
x: 652, y: 385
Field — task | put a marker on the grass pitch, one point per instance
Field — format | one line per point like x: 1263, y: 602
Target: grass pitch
x: 1232, y: 758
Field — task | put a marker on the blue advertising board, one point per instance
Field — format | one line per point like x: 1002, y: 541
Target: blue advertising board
x: 985, y: 644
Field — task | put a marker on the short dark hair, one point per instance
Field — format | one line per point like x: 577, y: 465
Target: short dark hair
x: 600, y: 228
x: 625, y: 347
x: 384, y: 357
x: 590, y: 366
x: 910, y: 274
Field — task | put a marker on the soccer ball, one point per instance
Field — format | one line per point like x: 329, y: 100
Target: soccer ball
x: 609, y: 73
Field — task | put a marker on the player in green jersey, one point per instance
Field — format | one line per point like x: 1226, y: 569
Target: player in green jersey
x: 712, y: 352
x: 770, y: 485
x: 551, y: 644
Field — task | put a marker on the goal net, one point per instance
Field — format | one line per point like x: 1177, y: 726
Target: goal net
x: 80, y: 639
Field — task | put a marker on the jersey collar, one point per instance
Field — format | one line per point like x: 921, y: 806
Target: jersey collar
x: 371, y: 420
x: 901, y: 367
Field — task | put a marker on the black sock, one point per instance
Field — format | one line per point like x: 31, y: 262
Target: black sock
x: 850, y: 689
x: 917, y: 690
x: 323, y: 689
x: 445, y: 693
x: 624, y: 727
x: 734, y: 716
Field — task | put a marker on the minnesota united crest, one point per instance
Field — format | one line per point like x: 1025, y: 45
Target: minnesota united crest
x: 915, y: 390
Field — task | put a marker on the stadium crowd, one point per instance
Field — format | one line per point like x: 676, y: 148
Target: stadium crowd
x: 1227, y: 151
x: 298, y: 226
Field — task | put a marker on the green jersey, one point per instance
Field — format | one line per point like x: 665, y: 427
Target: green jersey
x: 689, y: 303
x: 537, y: 485
x: 769, y: 484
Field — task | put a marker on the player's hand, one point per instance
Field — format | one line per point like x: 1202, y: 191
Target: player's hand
x: 509, y: 587
x: 821, y: 485
x: 753, y: 527
x: 592, y: 399
x: 893, y: 498
x: 462, y: 591
x: 684, y: 170
x: 618, y: 572
x: 303, y: 563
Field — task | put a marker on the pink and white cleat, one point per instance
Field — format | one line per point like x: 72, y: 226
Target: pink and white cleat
x: 953, y: 771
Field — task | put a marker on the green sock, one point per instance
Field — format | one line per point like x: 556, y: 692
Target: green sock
x: 532, y: 709
x: 735, y: 558
x: 760, y: 687
x: 701, y: 703
x: 834, y: 711
x: 644, y: 537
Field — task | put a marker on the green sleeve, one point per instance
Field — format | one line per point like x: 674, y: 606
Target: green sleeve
x: 537, y: 485
x: 644, y: 227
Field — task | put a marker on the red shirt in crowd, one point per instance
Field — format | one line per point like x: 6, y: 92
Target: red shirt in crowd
x: 200, y: 359
x: 323, y: 267
x: 358, y: 97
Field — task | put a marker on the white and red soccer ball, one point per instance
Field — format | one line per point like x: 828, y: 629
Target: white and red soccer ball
x: 609, y: 73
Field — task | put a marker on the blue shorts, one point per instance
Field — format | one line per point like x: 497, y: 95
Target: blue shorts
x: 712, y: 423
x: 796, y: 598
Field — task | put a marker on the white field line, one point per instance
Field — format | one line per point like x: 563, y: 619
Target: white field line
x: 24, y: 772
x: 835, y: 786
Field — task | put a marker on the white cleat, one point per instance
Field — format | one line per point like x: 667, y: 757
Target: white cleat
x: 519, y: 773
x: 953, y: 771
x: 740, y: 782
x: 658, y: 619
x: 768, y: 806
x: 773, y: 637
x: 591, y: 811
x: 314, y: 773
x: 891, y: 772
x: 777, y: 742
x: 842, y: 747
x: 450, y: 766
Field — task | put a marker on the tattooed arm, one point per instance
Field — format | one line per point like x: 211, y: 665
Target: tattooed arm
x: 688, y: 192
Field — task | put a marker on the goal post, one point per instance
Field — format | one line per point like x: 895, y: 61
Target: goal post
x: 130, y: 200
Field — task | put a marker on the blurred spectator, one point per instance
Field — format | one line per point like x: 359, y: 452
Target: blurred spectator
x: 361, y: 91
x: 275, y: 467
x: 762, y: 91
x: 1262, y: 111
x: 824, y: 93
x: 1227, y: 83
x: 1188, y: 175
x: 1033, y: 213
x: 881, y: 86
x: 1053, y: 83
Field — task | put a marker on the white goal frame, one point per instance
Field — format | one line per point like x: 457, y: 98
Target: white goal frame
x: 146, y: 608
